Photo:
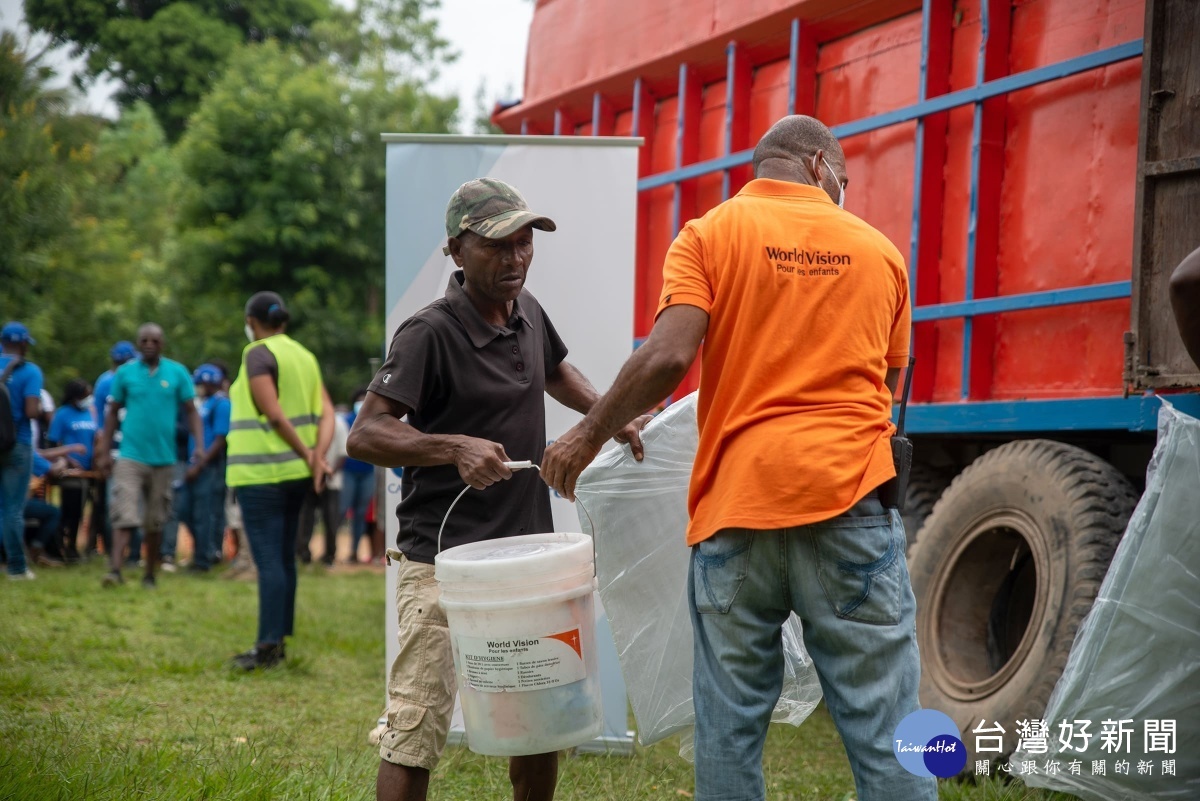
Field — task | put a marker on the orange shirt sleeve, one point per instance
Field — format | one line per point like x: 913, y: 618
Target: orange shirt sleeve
x: 685, y: 278
x: 898, y: 342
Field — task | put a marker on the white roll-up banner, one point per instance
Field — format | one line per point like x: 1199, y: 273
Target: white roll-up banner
x: 582, y: 274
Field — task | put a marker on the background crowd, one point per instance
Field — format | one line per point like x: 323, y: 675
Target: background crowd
x: 56, y: 492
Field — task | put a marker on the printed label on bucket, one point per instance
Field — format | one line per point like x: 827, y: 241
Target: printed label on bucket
x: 516, y: 664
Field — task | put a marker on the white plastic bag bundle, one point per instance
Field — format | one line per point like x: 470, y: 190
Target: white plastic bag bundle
x: 1137, y: 654
x: 639, y: 510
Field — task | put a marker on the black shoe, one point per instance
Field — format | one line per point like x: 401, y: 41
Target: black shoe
x: 260, y: 656
x: 111, y: 579
x: 195, y: 568
x: 149, y: 583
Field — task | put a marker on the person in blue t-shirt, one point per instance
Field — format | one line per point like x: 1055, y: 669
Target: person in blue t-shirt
x: 74, y: 424
x: 358, y: 484
x: 203, y: 508
x: 25, y: 394
x: 101, y: 525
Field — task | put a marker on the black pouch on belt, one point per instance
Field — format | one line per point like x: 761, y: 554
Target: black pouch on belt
x: 892, y: 491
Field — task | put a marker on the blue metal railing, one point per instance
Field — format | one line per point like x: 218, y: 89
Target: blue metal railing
x: 983, y: 90
x: 963, y: 97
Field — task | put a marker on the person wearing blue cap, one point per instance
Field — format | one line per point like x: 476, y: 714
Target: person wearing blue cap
x: 101, y: 526
x: 203, y: 506
x: 120, y: 353
x: 23, y: 380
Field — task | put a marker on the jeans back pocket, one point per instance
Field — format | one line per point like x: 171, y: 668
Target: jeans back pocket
x: 860, y: 564
x: 719, y: 566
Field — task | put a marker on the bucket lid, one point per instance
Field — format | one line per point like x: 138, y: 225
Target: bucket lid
x: 537, y: 557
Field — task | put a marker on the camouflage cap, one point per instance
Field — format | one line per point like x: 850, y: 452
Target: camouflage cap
x: 492, y: 209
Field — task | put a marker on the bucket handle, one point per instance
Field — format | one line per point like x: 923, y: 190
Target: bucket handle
x: 524, y: 464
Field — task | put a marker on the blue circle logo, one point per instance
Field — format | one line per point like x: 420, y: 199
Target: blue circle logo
x: 928, y: 743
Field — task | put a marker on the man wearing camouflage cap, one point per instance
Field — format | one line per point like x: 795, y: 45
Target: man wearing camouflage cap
x: 469, y: 371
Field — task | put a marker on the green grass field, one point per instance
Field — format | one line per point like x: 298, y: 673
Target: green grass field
x: 123, y: 694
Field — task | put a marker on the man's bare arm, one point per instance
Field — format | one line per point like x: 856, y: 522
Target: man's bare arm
x: 381, y: 437
x: 570, y: 387
x: 648, y: 376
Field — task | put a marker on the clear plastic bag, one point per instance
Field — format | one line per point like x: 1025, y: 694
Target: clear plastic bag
x: 1137, y: 654
x: 639, y: 510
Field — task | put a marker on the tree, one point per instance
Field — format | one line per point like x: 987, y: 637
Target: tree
x: 168, y: 53
x: 284, y: 190
x: 33, y: 196
x: 102, y: 270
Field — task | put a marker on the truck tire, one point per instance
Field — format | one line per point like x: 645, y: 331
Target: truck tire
x: 1004, y: 571
x: 925, y: 485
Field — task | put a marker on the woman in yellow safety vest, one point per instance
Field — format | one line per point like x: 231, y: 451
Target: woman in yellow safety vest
x: 280, y: 426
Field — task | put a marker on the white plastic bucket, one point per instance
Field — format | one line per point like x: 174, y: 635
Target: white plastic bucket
x: 522, y: 625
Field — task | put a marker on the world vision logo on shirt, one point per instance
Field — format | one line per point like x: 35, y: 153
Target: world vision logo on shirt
x: 807, y: 262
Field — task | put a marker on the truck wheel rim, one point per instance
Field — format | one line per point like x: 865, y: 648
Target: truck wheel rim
x: 996, y: 573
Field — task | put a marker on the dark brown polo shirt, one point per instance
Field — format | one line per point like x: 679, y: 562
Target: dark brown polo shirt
x: 462, y: 375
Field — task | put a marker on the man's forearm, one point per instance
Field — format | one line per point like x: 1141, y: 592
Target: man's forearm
x: 110, y: 428
x: 214, y: 451
x: 325, y: 424
x: 571, y: 388
x: 645, y: 380
x: 388, y: 442
x: 195, y: 426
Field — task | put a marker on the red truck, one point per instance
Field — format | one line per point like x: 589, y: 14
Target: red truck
x: 1039, y: 162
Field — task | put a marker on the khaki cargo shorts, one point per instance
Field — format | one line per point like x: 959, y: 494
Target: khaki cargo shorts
x: 141, y: 494
x: 421, y: 682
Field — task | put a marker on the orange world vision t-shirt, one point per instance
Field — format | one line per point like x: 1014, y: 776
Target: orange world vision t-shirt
x: 808, y: 306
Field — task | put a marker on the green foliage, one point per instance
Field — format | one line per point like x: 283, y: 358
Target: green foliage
x: 278, y: 182
x: 101, y: 270
x: 46, y: 173
x: 284, y: 190
x: 168, y: 53
x: 32, y: 195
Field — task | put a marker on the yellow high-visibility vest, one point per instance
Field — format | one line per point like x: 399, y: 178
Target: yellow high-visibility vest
x: 256, y: 453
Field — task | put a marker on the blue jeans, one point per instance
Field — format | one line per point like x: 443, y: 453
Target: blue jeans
x: 16, y: 467
x: 49, y: 519
x: 208, y: 511
x: 271, y: 517
x: 357, y: 489
x: 847, y: 580
x: 200, y: 505
x: 181, y: 503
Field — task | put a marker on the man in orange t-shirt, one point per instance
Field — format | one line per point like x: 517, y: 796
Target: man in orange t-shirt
x: 804, y: 312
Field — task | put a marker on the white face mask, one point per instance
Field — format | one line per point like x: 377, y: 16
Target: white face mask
x: 841, y: 201
x: 358, y: 406
x: 249, y: 332
x: 85, y: 403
